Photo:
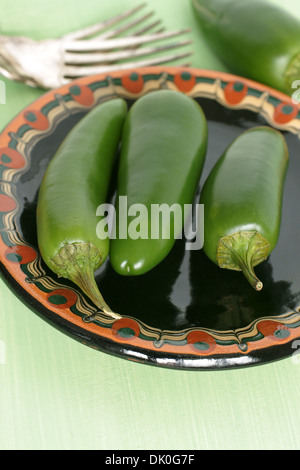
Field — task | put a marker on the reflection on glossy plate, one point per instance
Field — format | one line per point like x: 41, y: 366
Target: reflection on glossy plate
x: 186, y: 313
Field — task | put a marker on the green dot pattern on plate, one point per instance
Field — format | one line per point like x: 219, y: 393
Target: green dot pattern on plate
x: 281, y: 333
x: 186, y: 76
x: 201, y: 346
x: 31, y: 117
x: 14, y: 257
x: 5, y: 159
x: 126, y: 332
x: 134, y: 77
x: 75, y: 90
x: 57, y: 299
x: 238, y: 86
x: 287, y: 109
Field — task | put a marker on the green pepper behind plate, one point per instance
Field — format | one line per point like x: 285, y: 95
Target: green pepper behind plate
x: 254, y: 39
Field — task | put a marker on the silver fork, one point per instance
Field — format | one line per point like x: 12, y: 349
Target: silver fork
x: 50, y: 63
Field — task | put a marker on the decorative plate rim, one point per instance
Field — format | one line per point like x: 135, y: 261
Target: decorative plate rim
x: 263, y: 340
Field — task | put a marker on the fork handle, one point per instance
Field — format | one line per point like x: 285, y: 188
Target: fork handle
x: 8, y: 66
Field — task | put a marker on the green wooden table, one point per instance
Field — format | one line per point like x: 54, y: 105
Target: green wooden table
x: 58, y: 394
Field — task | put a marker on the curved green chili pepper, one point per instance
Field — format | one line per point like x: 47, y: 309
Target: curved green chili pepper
x: 242, y: 199
x: 253, y: 38
x: 75, y: 183
x: 163, y: 150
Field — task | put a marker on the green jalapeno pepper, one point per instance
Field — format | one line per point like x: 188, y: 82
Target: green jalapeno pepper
x: 163, y: 150
x: 75, y: 183
x: 253, y: 38
x: 242, y: 199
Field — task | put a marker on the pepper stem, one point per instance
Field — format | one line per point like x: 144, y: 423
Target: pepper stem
x: 78, y: 262
x: 242, y: 251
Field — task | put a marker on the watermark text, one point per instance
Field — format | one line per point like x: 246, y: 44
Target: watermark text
x: 157, y: 222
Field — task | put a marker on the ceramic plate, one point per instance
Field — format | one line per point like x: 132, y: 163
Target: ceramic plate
x: 186, y: 313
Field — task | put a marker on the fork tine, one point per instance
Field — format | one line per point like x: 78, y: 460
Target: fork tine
x: 109, y: 44
x: 150, y: 26
x: 96, y: 28
x: 109, y: 57
x: 146, y: 29
x: 114, y: 32
x: 72, y: 72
